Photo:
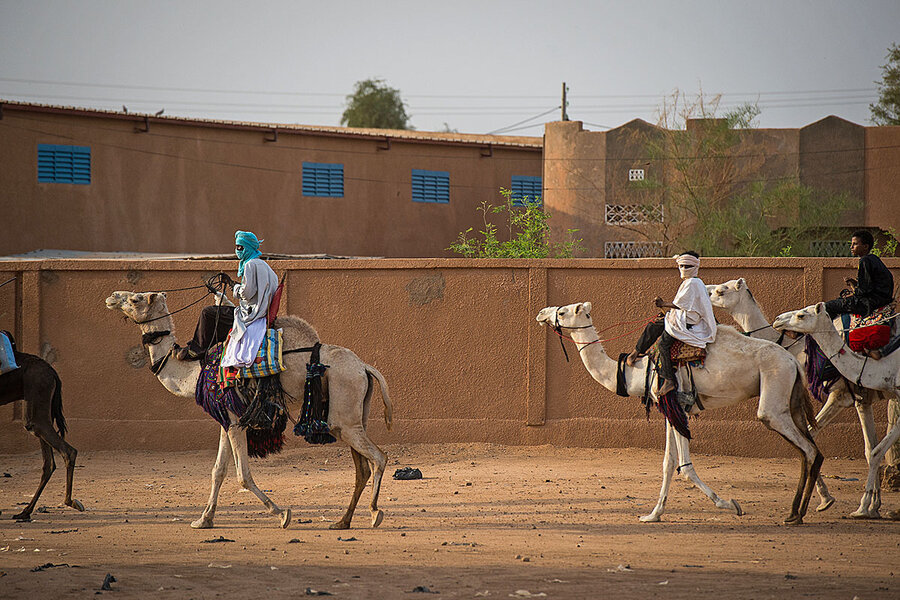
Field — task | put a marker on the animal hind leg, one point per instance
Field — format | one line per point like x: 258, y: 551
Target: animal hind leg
x: 358, y: 440
x: 876, y: 456
x: 46, y: 472
x: 218, y: 476
x: 238, y: 439
x: 687, y: 471
x: 837, y: 401
x: 68, y: 452
x: 362, y: 477
x: 669, y: 461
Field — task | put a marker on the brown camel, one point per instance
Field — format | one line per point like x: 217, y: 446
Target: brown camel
x: 38, y: 384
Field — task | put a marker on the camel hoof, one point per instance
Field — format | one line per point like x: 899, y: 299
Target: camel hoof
x: 377, y: 518
x: 202, y: 524
x: 76, y: 505
x: 825, y: 504
x: 794, y: 521
x: 285, y: 518
x: 865, y: 515
x: 650, y: 519
x: 22, y: 516
x: 737, y: 508
x: 339, y: 525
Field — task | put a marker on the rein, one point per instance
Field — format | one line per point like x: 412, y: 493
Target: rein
x: 7, y: 281
x: 557, y: 329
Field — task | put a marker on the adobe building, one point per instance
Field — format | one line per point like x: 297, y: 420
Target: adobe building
x: 104, y: 181
x: 590, y: 177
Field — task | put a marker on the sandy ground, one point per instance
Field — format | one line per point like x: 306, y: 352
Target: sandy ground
x: 485, y: 521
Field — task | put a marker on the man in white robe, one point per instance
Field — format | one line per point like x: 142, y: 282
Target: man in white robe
x: 258, y: 285
x: 689, y: 319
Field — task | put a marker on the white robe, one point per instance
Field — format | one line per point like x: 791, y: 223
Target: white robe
x: 255, y: 293
x: 694, y: 309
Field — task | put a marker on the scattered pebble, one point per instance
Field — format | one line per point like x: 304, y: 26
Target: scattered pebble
x: 407, y: 473
x: 216, y: 540
x: 422, y: 589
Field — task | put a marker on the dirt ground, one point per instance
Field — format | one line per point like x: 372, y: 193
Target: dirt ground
x: 485, y: 521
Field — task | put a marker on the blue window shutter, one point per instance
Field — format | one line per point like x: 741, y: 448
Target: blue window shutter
x: 64, y: 164
x: 323, y: 179
x: 431, y: 186
x: 526, y: 186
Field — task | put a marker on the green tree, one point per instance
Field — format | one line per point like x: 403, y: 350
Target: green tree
x: 528, y: 233
x: 887, y: 110
x: 706, y: 188
x: 375, y: 104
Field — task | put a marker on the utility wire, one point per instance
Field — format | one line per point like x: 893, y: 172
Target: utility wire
x: 509, y: 127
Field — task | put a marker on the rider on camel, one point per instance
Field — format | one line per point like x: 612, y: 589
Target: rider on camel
x: 246, y: 323
x: 873, y: 286
x: 689, y: 318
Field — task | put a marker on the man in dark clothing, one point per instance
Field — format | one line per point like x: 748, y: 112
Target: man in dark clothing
x: 213, y: 327
x: 873, y: 286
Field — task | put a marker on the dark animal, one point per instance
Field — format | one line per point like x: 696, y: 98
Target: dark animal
x: 38, y: 384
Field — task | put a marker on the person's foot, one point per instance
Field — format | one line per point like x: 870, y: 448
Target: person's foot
x: 667, y: 386
x: 184, y: 353
x: 874, y: 354
x: 632, y: 358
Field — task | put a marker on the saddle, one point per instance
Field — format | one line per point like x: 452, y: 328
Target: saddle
x: 683, y: 353
x: 873, y: 332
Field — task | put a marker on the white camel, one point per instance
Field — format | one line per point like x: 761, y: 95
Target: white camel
x: 881, y: 375
x: 737, y: 368
x: 349, y: 381
x: 736, y: 298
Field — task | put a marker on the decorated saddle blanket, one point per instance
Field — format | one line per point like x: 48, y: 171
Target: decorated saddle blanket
x: 269, y: 361
x: 683, y: 353
x: 258, y: 405
x: 873, y: 331
x: 880, y: 316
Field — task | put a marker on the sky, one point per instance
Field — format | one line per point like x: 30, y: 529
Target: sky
x: 491, y: 66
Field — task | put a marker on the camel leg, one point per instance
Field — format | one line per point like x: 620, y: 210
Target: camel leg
x: 238, y: 439
x: 669, y: 461
x: 218, y: 476
x: 357, y: 439
x: 837, y: 401
x: 49, y: 435
x: 46, y: 472
x: 871, y: 501
x: 810, y: 458
x: 362, y: 477
x: 688, y: 472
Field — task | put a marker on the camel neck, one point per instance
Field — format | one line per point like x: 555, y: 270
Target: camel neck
x: 601, y: 367
x: 179, y: 377
x: 749, y: 317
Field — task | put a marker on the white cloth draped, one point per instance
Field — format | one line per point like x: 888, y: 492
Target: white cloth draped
x: 255, y: 293
x: 694, y: 309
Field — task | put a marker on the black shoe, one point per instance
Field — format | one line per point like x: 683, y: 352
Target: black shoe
x: 185, y: 354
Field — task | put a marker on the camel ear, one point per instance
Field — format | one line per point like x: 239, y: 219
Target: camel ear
x: 741, y: 284
x: 578, y: 308
x: 154, y: 296
x: 820, y: 307
x: 587, y: 307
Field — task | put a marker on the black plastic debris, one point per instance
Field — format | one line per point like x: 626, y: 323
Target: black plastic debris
x: 422, y: 589
x: 294, y: 541
x: 64, y: 531
x: 216, y: 540
x: 46, y: 566
x: 7, y: 475
x: 349, y: 539
x: 312, y: 592
x: 107, y: 581
x: 406, y: 473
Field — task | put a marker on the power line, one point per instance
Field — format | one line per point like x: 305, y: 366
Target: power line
x: 509, y: 127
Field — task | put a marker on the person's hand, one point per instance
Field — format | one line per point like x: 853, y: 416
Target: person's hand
x: 659, y: 302
x: 228, y: 280
x: 850, y: 281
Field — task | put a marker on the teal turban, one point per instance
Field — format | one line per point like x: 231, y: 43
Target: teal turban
x: 250, y: 243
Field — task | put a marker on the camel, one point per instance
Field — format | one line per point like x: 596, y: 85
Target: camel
x: 38, y: 384
x: 883, y: 375
x: 737, y: 368
x: 736, y: 298
x: 349, y: 380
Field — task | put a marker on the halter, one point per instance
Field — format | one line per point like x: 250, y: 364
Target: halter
x: 558, y: 329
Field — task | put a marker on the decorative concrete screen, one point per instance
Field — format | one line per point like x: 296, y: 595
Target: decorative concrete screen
x: 632, y: 249
x: 629, y: 214
x: 829, y: 248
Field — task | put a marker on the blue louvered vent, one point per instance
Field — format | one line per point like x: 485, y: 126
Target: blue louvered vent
x: 323, y: 179
x: 64, y: 164
x: 526, y: 186
x: 430, y: 186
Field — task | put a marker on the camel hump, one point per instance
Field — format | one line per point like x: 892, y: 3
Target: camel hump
x: 296, y: 327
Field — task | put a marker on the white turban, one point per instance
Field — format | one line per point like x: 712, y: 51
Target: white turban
x: 689, y: 265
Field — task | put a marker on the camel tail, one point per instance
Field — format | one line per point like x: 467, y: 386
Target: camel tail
x: 802, y: 409
x: 56, y: 408
x: 372, y: 372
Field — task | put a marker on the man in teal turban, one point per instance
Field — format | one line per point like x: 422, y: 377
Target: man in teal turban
x: 246, y: 322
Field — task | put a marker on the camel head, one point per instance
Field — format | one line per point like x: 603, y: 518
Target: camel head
x: 139, y: 306
x: 806, y: 320
x: 727, y: 295
x: 572, y: 315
